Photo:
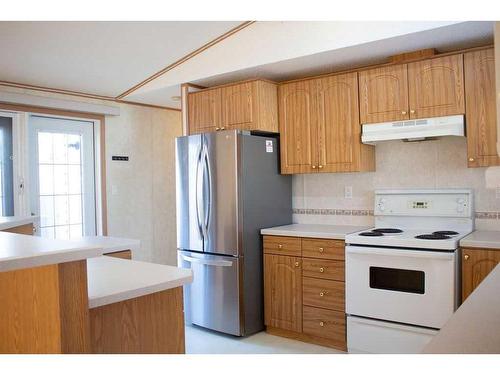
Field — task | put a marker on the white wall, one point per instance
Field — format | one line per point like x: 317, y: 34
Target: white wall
x: 431, y: 164
x: 144, y: 204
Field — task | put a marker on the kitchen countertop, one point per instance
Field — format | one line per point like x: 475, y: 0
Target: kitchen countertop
x: 336, y: 232
x: 109, y: 244
x: 7, y: 222
x: 19, y: 251
x: 475, y: 326
x: 112, y: 280
x: 483, y: 239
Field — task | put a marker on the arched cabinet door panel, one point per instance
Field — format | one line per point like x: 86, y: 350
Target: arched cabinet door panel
x: 383, y: 94
x: 476, y: 265
x: 436, y: 87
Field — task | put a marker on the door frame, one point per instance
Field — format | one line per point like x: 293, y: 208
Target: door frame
x: 22, y: 112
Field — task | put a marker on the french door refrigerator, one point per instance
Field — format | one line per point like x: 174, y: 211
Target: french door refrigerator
x: 228, y: 188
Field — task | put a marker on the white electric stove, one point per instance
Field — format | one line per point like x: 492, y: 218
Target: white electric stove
x: 402, y: 276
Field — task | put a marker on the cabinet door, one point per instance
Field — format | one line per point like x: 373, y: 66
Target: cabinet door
x: 238, y: 106
x: 297, y: 130
x: 204, y: 111
x: 481, y: 108
x: 339, y: 130
x: 476, y: 265
x: 436, y: 87
x: 283, y: 292
x: 383, y: 94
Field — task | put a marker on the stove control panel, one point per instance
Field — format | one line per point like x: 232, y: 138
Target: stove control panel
x: 433, y: 203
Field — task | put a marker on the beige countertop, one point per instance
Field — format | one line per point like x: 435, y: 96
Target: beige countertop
x: 112, y: 280
x: 336, y: 232
x: 475, y: 326
x: 483, y: 239
x: 19, y: 251
x: 7, y: 222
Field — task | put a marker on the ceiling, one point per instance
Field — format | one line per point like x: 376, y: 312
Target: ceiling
x: 101, y: 58
x: 110, y: 58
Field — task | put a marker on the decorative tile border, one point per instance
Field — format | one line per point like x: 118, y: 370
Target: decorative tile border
x: 343, y: 212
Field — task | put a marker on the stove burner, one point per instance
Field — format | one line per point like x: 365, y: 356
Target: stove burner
x: 446, y: 232
x: 371, y: 234
x: 433, y: 236
x: 387, y: 230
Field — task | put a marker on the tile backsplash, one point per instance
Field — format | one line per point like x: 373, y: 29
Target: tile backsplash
x: 441, y: 163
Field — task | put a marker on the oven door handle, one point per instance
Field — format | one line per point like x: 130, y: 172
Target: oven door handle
x: 441, y: 255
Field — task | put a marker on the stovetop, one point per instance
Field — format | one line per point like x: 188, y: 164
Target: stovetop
x: 407, y: 238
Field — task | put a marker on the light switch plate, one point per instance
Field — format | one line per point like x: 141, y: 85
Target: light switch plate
x: 348, y: 192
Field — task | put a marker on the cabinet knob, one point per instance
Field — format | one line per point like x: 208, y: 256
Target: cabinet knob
x: 217, y: 129
x: 321, y: 269
x: 466, y: 256
x: 403, y: 112
x: 321, y: 324
x: 320, y: 166
x: 223, y: 128
x: 471, y: 159
x: 322, y: 294
x: 313, y: 167
x: 296, y: 264
x: 321, y: 249
x: 280, y: 246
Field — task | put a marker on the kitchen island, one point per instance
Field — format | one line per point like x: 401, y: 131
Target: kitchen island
x: 475, y: 326
x: 64, y: 297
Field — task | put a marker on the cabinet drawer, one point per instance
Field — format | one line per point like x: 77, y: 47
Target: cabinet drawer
x: 324, y: 323
x: 323, y: 249
x: 323, y: 269
x: 282, y: 245
x: 326, y: 294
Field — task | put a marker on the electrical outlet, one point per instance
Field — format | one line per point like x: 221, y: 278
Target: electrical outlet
x: 114, y: 190
x: 348, y: 192
x: 497, y: 192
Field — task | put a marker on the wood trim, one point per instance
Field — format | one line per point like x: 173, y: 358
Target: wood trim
x: 187, y: 57
x: 404, y: 57
x: 22, y: 229
x: 104, y: 195
x: 80, y: 94
x: 381, y: 65
x: 122, y: 254
x: 229, y: 84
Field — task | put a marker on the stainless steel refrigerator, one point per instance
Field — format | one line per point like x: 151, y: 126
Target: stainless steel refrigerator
x: 228, y: 188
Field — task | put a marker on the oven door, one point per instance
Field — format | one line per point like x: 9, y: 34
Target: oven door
x: 408, y: 286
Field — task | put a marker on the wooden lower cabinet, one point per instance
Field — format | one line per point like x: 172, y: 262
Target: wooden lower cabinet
x: 477, y: 263
x: 304, y: 294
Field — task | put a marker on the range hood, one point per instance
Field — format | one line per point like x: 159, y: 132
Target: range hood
x: 413, y: 130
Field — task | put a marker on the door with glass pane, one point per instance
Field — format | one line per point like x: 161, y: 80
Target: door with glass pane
x: 62, y: 176
x: 6, y: 166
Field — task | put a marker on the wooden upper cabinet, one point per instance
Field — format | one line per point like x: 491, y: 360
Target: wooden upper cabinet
x: 339, y: 131
x: 249, y: 105
x: 238, y: 106
x: 480, y: 108
x: 297, y: 132
x: 204, y: 111
x: 476, y: 265
x: 383, y: 94
x: 283, y: 292
x: 436, y: 87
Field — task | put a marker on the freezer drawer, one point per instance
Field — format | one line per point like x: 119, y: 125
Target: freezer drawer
x: 212, y: 300
x: 375, y: 336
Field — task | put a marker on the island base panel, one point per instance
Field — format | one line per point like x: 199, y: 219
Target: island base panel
x: 149, y: 324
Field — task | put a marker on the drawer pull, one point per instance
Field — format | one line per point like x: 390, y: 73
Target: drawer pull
x: 296, y: 264
x: 466, y: 256
x: 321, y: 249
x: 321, y: 324
x: 321, y: 269
x: 280, y: 246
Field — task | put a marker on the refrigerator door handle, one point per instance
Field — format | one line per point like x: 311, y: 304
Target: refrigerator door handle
x: 220, y: 263
x: 199, y: 193
x: 206, y: 164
